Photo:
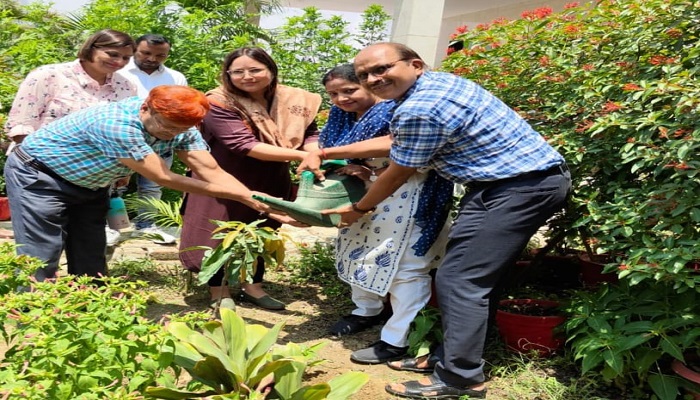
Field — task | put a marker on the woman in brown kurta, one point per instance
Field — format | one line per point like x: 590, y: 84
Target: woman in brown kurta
x: 255, y: 127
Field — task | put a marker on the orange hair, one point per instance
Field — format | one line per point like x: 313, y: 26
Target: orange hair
x: 180, y: 104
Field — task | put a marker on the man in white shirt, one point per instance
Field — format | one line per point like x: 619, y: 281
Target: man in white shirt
x: 146, y: 71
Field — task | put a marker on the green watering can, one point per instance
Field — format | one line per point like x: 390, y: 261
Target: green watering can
x: 313, y: 196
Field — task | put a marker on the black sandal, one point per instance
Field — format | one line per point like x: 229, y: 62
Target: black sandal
x: 435, y: 390
x: 411, y: 364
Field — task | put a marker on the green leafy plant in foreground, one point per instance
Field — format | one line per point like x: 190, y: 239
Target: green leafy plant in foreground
x: 236, y: 360
x: 76, y: 338
x: 15, y: 270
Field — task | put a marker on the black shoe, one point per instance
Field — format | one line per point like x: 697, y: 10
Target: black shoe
x: 436, y: 390
x: 379, y: 353
x: 350, y: 324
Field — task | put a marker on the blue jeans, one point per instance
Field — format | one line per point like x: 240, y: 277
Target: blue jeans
x: 148, y: 189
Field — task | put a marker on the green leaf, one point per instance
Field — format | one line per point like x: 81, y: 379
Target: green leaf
x: 614, y: 360
x: 211, y: 371
x: 175, y: 394
x: 671, y: 348
x: 664, y: 386
x: 346, y: 385
x: 316, y: 392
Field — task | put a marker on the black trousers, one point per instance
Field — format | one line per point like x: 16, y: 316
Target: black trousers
x: 494, y: 224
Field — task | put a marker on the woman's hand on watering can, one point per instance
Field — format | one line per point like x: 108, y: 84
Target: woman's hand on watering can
x: 312, y: 162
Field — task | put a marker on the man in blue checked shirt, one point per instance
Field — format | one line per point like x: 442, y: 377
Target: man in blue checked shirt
x: 516, y: 181
x: 58, y: 179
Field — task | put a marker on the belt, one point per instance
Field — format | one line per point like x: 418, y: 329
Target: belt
x: 559, y: 169
x: 39, y: 166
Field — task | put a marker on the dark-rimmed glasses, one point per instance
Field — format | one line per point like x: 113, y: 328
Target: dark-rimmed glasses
x: 378, y: 71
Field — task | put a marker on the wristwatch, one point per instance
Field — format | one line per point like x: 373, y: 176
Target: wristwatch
x: 372, y: 176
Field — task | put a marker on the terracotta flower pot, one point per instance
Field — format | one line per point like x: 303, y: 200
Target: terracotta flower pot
x: 4, y: 209
x: 525, y: 333
x: 689, y: 371
x: 592, y: 272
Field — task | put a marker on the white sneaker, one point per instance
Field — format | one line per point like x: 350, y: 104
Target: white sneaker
x: 112, y: 236
x: 156, y: 235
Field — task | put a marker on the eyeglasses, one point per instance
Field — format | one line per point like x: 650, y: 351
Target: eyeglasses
x: 166, y: 128
x: 240, y: 73
x: 378, y: 71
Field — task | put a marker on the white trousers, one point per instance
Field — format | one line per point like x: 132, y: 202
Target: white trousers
x: 409, y: 292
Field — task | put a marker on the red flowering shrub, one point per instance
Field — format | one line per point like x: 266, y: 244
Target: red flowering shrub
x: 590, y: 79
x: 613, y: 85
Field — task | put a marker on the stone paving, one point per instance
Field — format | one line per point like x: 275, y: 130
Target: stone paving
x: 136, y: 248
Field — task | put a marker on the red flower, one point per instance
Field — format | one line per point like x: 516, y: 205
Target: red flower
x: 544, y: 61
x: 660, y: 60
x: 462, y: 29
x: 571, y: 5
x: 588, y: 67
x: 584, y: 126
x: 482, y: 27
x: 450, y: 50
x: 674, y: 32
x: 572, y: 28
x: 631, y: 87
x: 611, y: 106
x: 535, y: 14
x: 499, y: 21
x: 622, y: 267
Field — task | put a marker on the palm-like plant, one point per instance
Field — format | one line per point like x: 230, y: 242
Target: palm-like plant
x: 238, y: 361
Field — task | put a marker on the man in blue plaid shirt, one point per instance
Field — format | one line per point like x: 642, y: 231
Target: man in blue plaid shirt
x: 58, y: 178
x: 515, y: 181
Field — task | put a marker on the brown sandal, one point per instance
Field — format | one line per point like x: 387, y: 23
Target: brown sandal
x: 411, y: 364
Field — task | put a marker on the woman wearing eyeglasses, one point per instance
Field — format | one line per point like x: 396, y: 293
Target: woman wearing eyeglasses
x: 255, y: 127
x: 56, y: 90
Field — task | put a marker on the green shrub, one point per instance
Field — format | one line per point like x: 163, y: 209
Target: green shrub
x: 15, y: 270
x: 75, y: 339
x: 613, y: 86
x: 626, y: 333
x: 316, y: 264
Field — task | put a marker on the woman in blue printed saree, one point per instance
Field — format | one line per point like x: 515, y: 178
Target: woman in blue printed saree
x: 392, y: 250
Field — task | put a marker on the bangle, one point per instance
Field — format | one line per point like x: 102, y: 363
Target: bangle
x: 324, y: 156
x: 361, y: 211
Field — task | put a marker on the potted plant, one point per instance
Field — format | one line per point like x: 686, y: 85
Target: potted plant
x: 690, y: 371
x: 528, y: 325
x: 4, y: 203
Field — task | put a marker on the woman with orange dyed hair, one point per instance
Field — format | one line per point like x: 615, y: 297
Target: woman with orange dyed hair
x: 59, y: 177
